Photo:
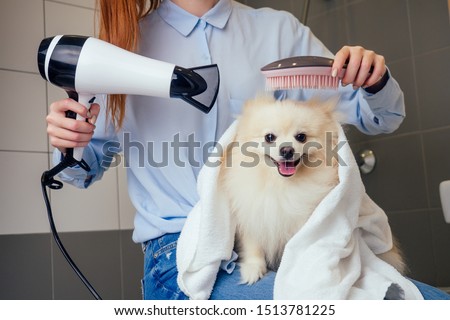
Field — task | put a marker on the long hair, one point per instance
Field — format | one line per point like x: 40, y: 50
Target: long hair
x: 119, y: 25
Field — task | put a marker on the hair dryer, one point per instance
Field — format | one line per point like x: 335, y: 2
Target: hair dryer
x: 85, y: 66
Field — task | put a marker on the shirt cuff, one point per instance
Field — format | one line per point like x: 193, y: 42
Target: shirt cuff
x: 73, y: 175
x: 376, y: 87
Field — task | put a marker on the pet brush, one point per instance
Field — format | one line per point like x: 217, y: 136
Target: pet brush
x: 302, y: 72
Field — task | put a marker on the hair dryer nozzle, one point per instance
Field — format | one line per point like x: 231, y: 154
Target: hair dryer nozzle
x: 197, y: 86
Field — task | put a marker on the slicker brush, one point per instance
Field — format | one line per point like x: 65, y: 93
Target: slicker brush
x: 302, y: 72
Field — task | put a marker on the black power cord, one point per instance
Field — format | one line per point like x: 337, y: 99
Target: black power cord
x: 47, y: 180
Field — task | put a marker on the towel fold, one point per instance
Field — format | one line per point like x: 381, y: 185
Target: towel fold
x: 333, y: 256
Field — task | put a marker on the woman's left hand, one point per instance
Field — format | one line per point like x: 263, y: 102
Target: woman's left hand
x: 360, y: 61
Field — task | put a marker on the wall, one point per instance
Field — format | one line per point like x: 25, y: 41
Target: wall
x: 96, y: 224
x: 414, y: 37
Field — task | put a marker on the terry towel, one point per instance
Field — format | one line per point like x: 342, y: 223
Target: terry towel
x: 332, y: 257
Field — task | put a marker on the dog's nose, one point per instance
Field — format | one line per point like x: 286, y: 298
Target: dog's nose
x: 287, y: 152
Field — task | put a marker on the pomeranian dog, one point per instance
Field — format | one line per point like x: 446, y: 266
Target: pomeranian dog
x: 275, y: 173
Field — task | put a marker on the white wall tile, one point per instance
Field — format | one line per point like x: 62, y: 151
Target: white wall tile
x: 24, y: 102
x: 81, y: 3
x: 66, y: 19
x: 23, y: 111
x: 126, y: 208
x: 21, y: 30
x: 95, y: 208
x: 22, y: 205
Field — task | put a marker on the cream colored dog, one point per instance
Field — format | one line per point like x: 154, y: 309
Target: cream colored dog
x: 275, y: 173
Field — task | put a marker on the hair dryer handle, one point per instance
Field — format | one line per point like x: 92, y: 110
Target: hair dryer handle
x: 85, y: 100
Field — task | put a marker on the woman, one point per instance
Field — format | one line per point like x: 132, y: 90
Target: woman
x: 162, y: 180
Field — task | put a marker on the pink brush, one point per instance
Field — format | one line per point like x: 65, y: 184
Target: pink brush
x: 307, y: 72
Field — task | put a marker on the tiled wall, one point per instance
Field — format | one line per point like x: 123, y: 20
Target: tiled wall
x: 95, y: 224
x: 414, y: 36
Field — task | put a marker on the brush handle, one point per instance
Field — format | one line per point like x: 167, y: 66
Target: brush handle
x: 298, y: 62
x: 302, y: 62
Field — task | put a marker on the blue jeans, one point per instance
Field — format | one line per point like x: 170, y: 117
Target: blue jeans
x: 160, y: 278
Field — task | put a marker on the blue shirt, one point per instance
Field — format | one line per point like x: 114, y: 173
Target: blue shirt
x: 166, y: 141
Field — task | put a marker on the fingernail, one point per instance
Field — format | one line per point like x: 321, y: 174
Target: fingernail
x: 334, y: 73
x: 93, y: 119
x: 344, y: 84
x: 355, y: 87
x: 88, y: 113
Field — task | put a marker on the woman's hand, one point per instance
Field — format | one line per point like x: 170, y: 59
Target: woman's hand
x: 360, y: 61
x: 70, y: 133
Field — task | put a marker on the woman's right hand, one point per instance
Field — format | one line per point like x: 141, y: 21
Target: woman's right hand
x: 70, y: 133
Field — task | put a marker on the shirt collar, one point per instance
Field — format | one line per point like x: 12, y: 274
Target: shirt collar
x: 184, y: 22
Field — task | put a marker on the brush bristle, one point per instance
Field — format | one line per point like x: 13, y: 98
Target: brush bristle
x: 309, y: 81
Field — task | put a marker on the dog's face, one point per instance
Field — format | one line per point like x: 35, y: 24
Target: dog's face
x: 287, y: 135
x: 285, y: 150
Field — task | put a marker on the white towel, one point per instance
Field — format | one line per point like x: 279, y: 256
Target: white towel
x: 332, y: 257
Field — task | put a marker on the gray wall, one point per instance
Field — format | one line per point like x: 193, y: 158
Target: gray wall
x: 413, y: 35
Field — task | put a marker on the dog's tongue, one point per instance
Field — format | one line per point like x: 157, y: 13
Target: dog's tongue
x: 287, y: 168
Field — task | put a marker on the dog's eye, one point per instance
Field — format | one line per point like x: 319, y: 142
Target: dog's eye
x: 301, y: 137
x: 270, y: 137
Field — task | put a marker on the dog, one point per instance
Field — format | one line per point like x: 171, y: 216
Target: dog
x: 275, y: 173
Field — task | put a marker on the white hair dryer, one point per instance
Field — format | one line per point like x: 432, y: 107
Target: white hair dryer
x: 85, y: 66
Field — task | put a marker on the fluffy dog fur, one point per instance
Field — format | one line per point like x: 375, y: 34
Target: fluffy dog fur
x: 275, y: 173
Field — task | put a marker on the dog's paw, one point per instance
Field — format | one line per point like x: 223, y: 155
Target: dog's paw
x: 252, y: 271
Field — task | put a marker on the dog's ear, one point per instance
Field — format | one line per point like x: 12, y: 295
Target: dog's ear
x: 330, y: 108
x: 260, y: 100
x: 329, y: 105
x: 263, y: 98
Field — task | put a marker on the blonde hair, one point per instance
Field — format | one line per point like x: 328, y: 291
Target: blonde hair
x: 119, y: 25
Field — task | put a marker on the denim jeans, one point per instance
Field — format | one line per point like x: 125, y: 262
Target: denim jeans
x: 160, y: 278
